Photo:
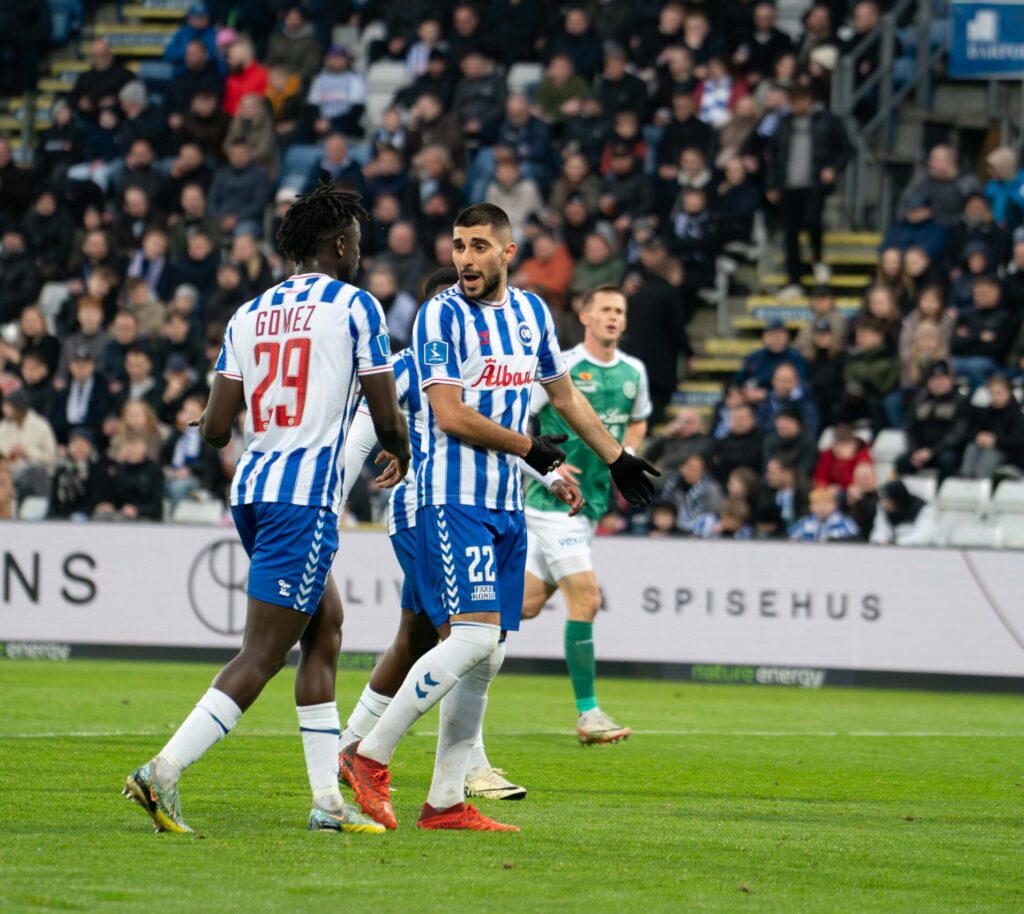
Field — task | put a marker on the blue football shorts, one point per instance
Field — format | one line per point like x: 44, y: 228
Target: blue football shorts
x: 403, y: 542
x: 291, y: 549
x: 470, y: 560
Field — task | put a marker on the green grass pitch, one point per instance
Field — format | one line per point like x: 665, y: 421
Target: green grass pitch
x: 727, y: 798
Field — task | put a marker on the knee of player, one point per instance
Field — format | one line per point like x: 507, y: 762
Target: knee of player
x: 584, y: 605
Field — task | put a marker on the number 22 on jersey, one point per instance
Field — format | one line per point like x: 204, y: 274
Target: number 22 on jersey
x: 290, y: 364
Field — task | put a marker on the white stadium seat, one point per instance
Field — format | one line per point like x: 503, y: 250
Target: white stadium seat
x: 1009, y: 498
x: 962, y: 495
x: 1013, y: 532
x: 523, y: 76
x: 198, y: 512
x: 890, y: 444
x: 924, y: 486
x: 983, y: 536
x: 34, y: 507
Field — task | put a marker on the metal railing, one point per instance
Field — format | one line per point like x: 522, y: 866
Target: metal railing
x: 873, y: 138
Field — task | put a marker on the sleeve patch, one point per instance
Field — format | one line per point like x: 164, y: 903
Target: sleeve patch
x: 435, y: 352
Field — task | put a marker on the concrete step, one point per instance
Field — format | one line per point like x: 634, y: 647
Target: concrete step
x: 172, y: 11
x: 849, y: 259
x: 721, y: 347
x: 714, y: 365
x: 756, y: 302
x: 43, y: 103
x: 838, y: 280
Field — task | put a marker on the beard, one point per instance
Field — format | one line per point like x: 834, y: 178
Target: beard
x: 490, y: 281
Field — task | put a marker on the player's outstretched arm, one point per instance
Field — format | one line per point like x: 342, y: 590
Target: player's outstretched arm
x: 388, y: 419
x: 217, y: 420
x: 628, y: 472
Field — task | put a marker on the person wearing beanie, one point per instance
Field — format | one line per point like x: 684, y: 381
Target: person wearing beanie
x: 903, y: 519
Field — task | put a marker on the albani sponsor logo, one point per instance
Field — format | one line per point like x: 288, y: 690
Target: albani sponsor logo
x: 497, y: 375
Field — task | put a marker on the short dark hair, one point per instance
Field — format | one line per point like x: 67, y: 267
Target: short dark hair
x: 867, y: 322
x: 591, y: 294
x: 439, y: 280
x: 484, y: 214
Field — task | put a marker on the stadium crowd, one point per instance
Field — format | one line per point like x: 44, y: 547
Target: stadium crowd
x: 656, y: 133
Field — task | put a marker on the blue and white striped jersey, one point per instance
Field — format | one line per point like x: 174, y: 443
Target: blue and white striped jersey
x: 298, y: 349
x: 812, y: 529
x: 402, y: 507
x: 494, y: 352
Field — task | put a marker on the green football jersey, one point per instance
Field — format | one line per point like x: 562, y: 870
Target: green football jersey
x: 619, y: 393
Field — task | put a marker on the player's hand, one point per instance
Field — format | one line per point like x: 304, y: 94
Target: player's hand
x: 630, y: 475
x: 393, y: 473
x: 545, y: 455
x: 569, y: 493
x: 569, y: 473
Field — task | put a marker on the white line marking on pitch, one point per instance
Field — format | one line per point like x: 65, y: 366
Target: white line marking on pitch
x: 764, y: 734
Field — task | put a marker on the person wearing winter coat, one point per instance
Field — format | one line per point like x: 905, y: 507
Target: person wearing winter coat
x: 903, y: 519
x: 996, y: 433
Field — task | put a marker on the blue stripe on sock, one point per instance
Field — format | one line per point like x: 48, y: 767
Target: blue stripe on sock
x: 220, y: 723
x: 315, y: 730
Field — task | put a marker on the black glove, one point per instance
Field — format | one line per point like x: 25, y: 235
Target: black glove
x: 545, y: 454
x: 629, y: 475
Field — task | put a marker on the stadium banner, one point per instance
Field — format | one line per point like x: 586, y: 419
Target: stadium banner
x: 987, y: 40
x: 774, y: 607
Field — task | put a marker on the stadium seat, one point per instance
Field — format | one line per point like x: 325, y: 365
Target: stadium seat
x: 383, y: 80
x: 922, y: 486
x: 51, y: 298
x: 827, y: 436
x: 198, y: 512
x: 523, y: 76
x: 1008, y: 499
x: 984, y: 536
x: 298, y: 166
x: 890, y: 444
x: 34, y: 507
x: 1012, y: 532
x: 963, y: 495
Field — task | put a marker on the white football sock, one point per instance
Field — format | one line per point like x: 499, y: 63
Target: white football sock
x: 319, y: 727
x: 432, y: 677
x: 214, y: 716
x: 364, y: 716
x: 462, y: 717
x: 478, y: 761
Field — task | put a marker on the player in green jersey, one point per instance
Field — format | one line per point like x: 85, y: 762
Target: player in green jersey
x: 558, y: 555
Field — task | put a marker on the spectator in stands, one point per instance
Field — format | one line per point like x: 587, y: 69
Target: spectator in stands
x: 560, y: 93
x: 787, y: 392
x: 337, y: 97
x: 180, y: 381
x: 141, y: 119
x: 577, y: 41
x: 983, y: 334
x: 996, y: 435
x: 84, y: 401
x: 431, y: 125
x: 825, y: 523
x: 124, y: 336
x: 399, y: 306
x: 193, y: 217
x: 823, y: 308
x: 528, y: 137
x: 254, y: 126
x: 860, y: 500
x: 626, y: 191
x: 819, y: 31
x: 37, y: 382
x: 239, y: 191
x: 479, y: 100
x: 294, y: 46
x: 942, y: 185
x: 600, y: 264
x: 430, y: 37
x: 140, y: 384
x: 150, y: 263
x: 99, y: 86
x: 139, y: 172
x: 21, y: 277
x: 338, y: 167
x: 587, y: 132
x: 135, y: 217
x: 976, y: 225
x: 192, y: 467
x: 741, y: 447
x: 693, y: 238
x: 902, y: 518
x: 977, y: 260
x: 685, y: 131
x: 782, y: 499
x: 871, y: 373
x: 1005, y: 187
x: 736, y: 200
x: 517, y: 195
x: 936, y: 427
x: 287, y: 101
x: 200, y: 73
x: 732, y: 522
x: 693, y: 491
x: 744, y: 484
x: 245, y: 75
x: 682, y: 436
x: 717, y: 95
x: 661, y: 522
x: 27, y: 444
x: 789, y: 439
x: 90, y: 335
x: 804, y: 159
x: 838, y: 463
x: 759, y: 367
x: 196, y: 28
x: 179, y: 339
x: 468, y: 35
x: 439, y: 80
x: 136, y: 486
x: 757, y: 53
x: 136, y: 420
x: 80, y: 479
x: 657, y: 332
x: 59, y: 145
x: 140, y: 301
x: 32, y: 335
x: 49, y: 230
x: 918, y: 228
x: 405, y: 258
x: 205, y: 124
x: 880, y: 305
x: 549, y: 271
x: 891, y: 274
x: 619, y: 89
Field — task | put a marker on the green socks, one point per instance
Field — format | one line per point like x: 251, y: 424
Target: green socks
x: 579, y: 657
